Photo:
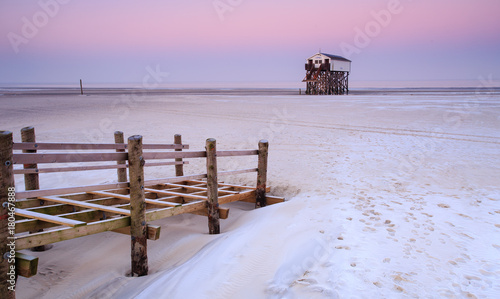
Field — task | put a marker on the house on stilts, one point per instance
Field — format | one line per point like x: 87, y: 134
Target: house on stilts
x: 327, y: 74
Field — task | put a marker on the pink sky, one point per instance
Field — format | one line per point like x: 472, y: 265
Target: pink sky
x: 113, y: 41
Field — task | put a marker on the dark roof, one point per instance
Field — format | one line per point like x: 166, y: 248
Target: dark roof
x: 336, y: 57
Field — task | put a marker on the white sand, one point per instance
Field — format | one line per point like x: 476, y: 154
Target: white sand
x: 388, y: 196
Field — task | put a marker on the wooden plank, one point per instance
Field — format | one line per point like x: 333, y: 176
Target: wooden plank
x: 173, y: 211
x: 85, y: 168
x: 247, y: 196
x: 26, y: 265
x: 185, y: 195
x: 127, y: 197
x: 237, y: 171
x: 164, y: 146
x: 197, y: 154
x: 35, y: 224
x: 49, y: 218
x: 90, y: 146
x: 153, y: 231
x: 86, y: 205
x: 67, y: 157
x: 174, y: 179
x: 176, y: 163
x: 271, y: 200
x: 198, y: 188
x: 68, y: 190
x: 250, y: 196
x: 234, y: 153
x: 227, y: 185
x: 173, y: 155
x: 85, y: 215
x: 66, y: 169
x: 223, y: 212
x: 67, y: 233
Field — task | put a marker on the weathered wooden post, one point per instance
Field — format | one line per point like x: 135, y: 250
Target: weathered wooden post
x: 138, y: 227
x: 122, y: 172
x: 7, y: 201
x: 81, y: 87
x: 212, y: 188
x: 179, y: 169
x: 31, y: 180
x: 262, y: 174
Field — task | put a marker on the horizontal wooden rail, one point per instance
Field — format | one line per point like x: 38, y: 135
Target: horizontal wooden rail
x: 173, y: 155
x: 90, y: 146
x: 83, y: 168
x: 67, y: 158
x: 104, y: 157
x: 234, y: 153
x: 237, y: 171
x: 198, y: 154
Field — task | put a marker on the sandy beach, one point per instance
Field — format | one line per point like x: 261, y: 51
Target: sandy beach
x: 389, y: 195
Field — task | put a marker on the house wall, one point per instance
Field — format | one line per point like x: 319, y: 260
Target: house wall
x: 335, y: 65
x: 340, y: 66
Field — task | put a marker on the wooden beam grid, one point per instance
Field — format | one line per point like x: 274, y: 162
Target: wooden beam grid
x: 110, y: 209
x: 45, y: 216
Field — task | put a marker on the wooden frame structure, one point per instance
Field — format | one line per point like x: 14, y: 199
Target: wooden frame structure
x: 45, y: 216
x: 323, y: 81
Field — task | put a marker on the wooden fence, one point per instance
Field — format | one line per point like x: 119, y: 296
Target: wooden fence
x: 45, y: 216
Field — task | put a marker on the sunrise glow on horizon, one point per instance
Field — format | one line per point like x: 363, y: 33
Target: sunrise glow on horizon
x: 245, y: 40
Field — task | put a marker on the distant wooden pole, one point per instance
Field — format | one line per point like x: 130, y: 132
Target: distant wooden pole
x: 262, y: 174
x: 31, y: 180
x: 81, y: 87
x: 121, y: 172
x: 300, y: 91
x: 179, y: 169
x: 7, y: 191
x: 138, y: 227
x: 212, y: 188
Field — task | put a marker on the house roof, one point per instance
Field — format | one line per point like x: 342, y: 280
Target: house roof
x: 333, y: 57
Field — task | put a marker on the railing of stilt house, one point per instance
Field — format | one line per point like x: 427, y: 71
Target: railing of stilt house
x: 136, y: 158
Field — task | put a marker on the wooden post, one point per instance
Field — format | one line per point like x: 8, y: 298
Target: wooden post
x: 138, y: 227
x: 300, y: 91
x: 212, y: 188
x: 7, y: 200
x: 262, y: 174
x: 122, y: 172
x: 31, y: 180
x: 81, y: 87
x: 179, y: 169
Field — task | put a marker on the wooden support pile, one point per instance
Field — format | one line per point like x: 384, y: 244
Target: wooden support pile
x: 45, y: 216
x: 322, y: 81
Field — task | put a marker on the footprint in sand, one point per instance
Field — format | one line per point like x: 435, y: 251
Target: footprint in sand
x: 444, y: 206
